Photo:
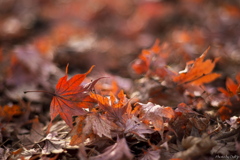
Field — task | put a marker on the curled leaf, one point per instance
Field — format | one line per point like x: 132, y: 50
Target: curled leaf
x: 198, y: 72
x: 195, y: 146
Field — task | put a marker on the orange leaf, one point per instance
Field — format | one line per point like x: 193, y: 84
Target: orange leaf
x: 232, y: 87
x: 206, y: 79
x: 238, y: 78
x: 198, y: 72
x: 78, y: 136
x: 115, y: 108
x: 142, y: 64
x: 238, y: 91
x: 183, y: 108
x: 8, y: 111
x: 224, y: 113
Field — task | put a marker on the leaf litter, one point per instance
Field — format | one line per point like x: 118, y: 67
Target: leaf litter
x: 156, y: 110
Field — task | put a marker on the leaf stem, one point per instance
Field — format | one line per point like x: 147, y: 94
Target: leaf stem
x: 53, y: 94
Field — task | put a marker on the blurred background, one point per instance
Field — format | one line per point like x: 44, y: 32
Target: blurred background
x: 39, y: 38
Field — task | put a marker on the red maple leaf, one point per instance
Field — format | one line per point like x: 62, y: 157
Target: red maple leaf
x: 70, y: 97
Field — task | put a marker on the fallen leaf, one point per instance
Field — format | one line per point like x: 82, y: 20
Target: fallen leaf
x: 151, y: 155
x: 81, y: 131
x: 234, y: 122
x: 223, y: 148
x: 100, y: 125
x: 118, y: 151
x: 224, y: 113
x: 70, y: 97
x: 152, y: 110
x: 232, y: 87
x: 54, y: 143
x: 142, y: 64
x: 92, y: 124
x: 226, y: 141
x: 195, y: 146
x: 152, y: 62
x: 116, y: 108
x: 155, y: 114
x: 8, y: 111
x: 35, y: 136
x: 183, y: 108
x: 136, y: 127
x: 198, y: 72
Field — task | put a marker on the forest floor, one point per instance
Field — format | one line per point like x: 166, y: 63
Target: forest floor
x: 116, y: 80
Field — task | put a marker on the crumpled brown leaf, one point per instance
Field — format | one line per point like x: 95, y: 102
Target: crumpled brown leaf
x: 55, y: 144
x: 225, y: 141
x: 151, y: 155
x: 155, y: 114
x: 91, y: 125
x: 100, y: 125
x: 195, y: 146
x: 135, y: 126
x: 35, y: 136
x: 118, y: 151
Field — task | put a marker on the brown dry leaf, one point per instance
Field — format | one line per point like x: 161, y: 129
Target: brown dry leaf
x: 226, y: 141
x: 118, y: 151
x: 82, y: 152
x: 50, y: 147
x: 151, y: 155
x: 238, y: 147
x: 200, y: 123
x: 100, y: 125
x: 37, y: 132
x: 29, y: 66
x: 198, y: 72
x: 155, y: 114
x: 35, y: 136
x: 232, y: 134
x: 55, y: 144
x: 136, y: 127
x: 223, y: 148
x: 151, y: 109
x: 183, y: 108
x: 195, y: 146
x: 93, y: 124
x: 182, y: 125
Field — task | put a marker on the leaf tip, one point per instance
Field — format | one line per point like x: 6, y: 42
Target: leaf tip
x: 67, y: 69
x: 90, y: 70
x: 205, y: 52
